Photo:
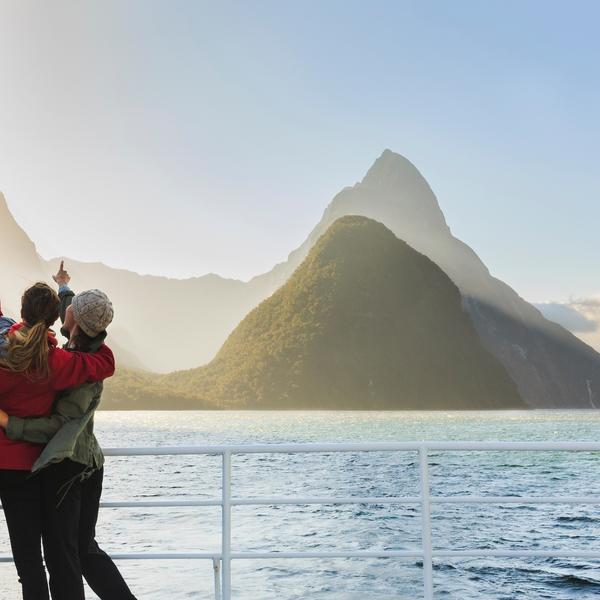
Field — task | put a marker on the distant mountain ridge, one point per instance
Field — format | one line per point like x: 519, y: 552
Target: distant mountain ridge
x: 182, y: 324
x: 167, y: 324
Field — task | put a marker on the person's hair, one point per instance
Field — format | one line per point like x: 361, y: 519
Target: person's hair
x: 27, y: 349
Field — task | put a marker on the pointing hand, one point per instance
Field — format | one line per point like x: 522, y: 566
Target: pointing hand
x: 62, y: 277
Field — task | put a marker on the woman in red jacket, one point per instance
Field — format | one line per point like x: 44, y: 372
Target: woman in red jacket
x: 32, y: 370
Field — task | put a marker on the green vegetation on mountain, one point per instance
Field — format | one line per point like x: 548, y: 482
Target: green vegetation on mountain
x: 140, y: 390
x: 365, y: 322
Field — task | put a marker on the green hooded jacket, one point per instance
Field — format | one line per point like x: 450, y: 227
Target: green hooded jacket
x: 69, y: 431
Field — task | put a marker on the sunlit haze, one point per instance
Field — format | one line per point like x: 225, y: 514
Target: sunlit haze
x: 184, y: 138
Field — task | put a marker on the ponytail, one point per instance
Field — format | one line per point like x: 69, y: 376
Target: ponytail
x: 27, y: 352
x: 27, y: 349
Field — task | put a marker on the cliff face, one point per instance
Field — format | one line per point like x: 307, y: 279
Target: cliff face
x: 20, y: 264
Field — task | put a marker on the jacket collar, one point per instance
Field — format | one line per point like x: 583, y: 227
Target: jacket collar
x: 94, y: 345
x: 98, y: 341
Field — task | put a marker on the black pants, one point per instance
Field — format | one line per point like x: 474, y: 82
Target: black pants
x: 21, y: 497
x: 70, y: 513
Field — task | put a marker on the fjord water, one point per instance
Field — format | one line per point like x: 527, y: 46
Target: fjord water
x: 356, y: 527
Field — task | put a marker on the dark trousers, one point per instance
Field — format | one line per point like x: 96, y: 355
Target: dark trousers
x: 21, y: 497
x: 70, y: 513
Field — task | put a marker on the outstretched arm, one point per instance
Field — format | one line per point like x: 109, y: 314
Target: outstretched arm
x: 72, y: 369
x: 62, y: 278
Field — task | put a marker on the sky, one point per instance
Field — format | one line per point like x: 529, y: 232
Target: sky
x: 183, y: 138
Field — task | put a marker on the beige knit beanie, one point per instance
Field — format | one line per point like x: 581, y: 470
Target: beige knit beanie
x: 93, y: 311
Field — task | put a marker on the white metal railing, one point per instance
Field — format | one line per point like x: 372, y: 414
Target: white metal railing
x: 222, y: 560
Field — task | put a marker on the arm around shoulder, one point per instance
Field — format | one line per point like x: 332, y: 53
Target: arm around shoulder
x: 71, y: 369
x: 72, y: 404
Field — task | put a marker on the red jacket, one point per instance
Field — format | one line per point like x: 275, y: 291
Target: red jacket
x: 21, y: 397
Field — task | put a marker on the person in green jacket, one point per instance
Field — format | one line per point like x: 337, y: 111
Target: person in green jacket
x: 72, y: 464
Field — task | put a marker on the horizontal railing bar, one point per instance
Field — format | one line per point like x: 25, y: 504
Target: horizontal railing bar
x: 417, y: 500
x: 160, y: 504
x: 357, y: 447
x: 259, y: 555
x: 417, y: 553
x: 517, y: 554
x: 515, y: 500
x: 525, y: 500
x: 151, y: 556
x: 317, y: 500
x: 167, y: 556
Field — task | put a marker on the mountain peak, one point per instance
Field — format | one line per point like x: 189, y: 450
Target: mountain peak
x: 392, y: 168
x: 393, y: 190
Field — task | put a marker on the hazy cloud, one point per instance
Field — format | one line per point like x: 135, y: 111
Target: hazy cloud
x: 579, y: 315
x: 591, y: 304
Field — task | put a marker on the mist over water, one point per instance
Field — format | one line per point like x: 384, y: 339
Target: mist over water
x: 356, y: 527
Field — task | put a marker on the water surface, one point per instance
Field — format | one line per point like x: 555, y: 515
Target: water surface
x: 353, y: 527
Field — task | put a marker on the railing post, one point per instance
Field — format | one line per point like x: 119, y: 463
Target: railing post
x: 226, y: 527
x: 217, y: 573
x: 426, y: 517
